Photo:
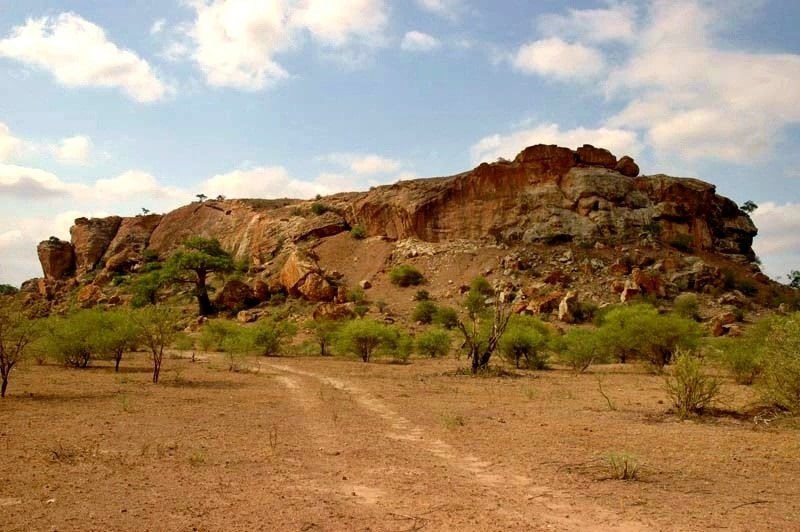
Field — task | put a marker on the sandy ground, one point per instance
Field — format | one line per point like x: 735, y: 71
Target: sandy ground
x: 330, y: 444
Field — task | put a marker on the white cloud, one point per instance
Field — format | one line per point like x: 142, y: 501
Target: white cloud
x: 33, y: 183
x: 9, y: 145
x: 235, y: 43
x: 158, y: 26
x: 416, y: 41
x: 364, y: 163
x: 73, y: 150
x: 260, y: 182
x: 78, y: 54
x: 492, y: 147
x: 558, y: 59
x: 448, y: 9
x: 617, y: 23
x: 778, y: 240
x: 136, y: 184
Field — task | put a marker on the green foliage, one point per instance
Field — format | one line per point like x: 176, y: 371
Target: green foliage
x: 116, y: 334
x: 682, y: 242
x: 8, y: 290
x: 524, y: 342
x: 446, y: 317
x: 156, y: 327
x: 689, y: 388
x: 361, y: 309
x: 482, y: 286
x: 237, y: 345
x: 424, y: 312
x: 184, y: 342
x: 192, y: 264
x: 653, y: 228
x: 584, y: 311
x: 272, y: 337
x: 794, y: 278
x: 747, y: 287
x: 356, y: 295
x: 779, y: 382
x: 749, y: 207
x: 640, y: 332
x: 405, y: 275
x: 623, y: 466
x: 434, y: 343
x: 145, y: 287
x: 579, y: 349
x: 324, y: 333
x: 475, y: 303
x: 17, y: 333
x: 686, y: 306
x: 74, y: 339
x: 422, y: 295
x: 149, y: 255
x: 358, y: 232
x: 364, y: 338
x: 213, y: 334
x: 318, y: 208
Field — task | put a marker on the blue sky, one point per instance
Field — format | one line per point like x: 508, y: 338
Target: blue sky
x: 108, y: 107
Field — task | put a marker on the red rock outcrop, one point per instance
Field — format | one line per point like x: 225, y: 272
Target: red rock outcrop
x: 90, y: 238
x: 57, y: 258
x: 131, y: 239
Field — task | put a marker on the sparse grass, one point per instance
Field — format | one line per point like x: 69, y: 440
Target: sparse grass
x: 63, y: 453
x: 622, y: 465
x: 452, y: 421
x: 197, y: 458
x: 125, y: 403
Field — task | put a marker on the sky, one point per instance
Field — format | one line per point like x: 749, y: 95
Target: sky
x: 109, y: 107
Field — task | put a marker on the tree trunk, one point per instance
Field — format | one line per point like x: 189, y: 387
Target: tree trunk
x: 117, y: 360
x: 203, y: 301
x: 156, y: 371
x: 4, y: 386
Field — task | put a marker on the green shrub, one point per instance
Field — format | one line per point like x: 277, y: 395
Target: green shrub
x: 747, y: 287
x: 434, y: 343
x: 446, y: 317
x: 779, y: 382
x: 237, y: 346
x: 422, y: 295
x: 8, y: 290
x: 579, y: 349
x: 623, y: 466
x: 361, y: 309
x: 358, y: 232
x: 184, y: 342
x: 689, y: 388
x: 363, y: 338
x: 682, y: 242
x: 584, y: 311
x: 482, y: 286
x: 686, y: 306
x: 324, y: 333
x: 73, y: 339
x: 640, y: 332
x: 524, y: 342
x: 213, y: 334
x: 405, y: 275
x: 652, y: 227
x: 356, y: 295
x: 424, y: 312
x: 318, y: 208
x: 271, y: 338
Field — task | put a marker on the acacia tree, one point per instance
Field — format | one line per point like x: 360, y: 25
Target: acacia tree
x: 17, y: 331
x: 192, y: 264
x: 794, y: 279
x: 117, y: 334
x: 483, y: 327
x: 156, y: 326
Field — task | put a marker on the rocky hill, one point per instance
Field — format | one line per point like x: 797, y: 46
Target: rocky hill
x: 552, y: 221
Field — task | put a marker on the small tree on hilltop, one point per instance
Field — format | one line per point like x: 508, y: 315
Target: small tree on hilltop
x: 192, y: 264
x: 483, y: 327
x: 794, y: 279
x: 749, y: 207
x: 17, y: 332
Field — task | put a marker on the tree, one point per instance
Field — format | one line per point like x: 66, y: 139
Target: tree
x: 17, y: 332
x: 749, y: 207
x: 145, y: 212
x: 271, y: 337
x: 116, y: 334
x: 8, y: 290
x: 483, y: 329
x: 524, y: 339
x: 74, y: 339
x: 434, y: 343
x: 424, y: 312
x: 156, y: 326
x: 794, y: 278
x: 201, y: 197
x: 324, y: 332
x: 363, y: 338
x: 192, y: 264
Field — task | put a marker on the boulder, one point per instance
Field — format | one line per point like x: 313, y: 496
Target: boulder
x: 720, y: 321
x: 91, y: 238
x: 334, y: 311
x: 627, y: 167
x: 130, y: 240
x: 249, y: 316
x: 733, y: 298
x: 261, y: 290
x: 301, y: 276
x: 546, y: 304
x: 648, y: 283
x: 366, y: 285
x: 566, y: 308
x: 619, y: 268
x: 629, y: 291
x: 557, y: 277
x: 57, y: 258
x: 588, y: 154
x: 315, y: 287
x: 89, y: 295
x: 234, y: 295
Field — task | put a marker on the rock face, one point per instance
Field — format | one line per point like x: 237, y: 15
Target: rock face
x: 90, y: 238
x: 234, y: 295
x: 547, y: 194
x: 57, y: 258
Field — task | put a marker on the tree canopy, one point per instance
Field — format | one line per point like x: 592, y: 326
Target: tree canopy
x: 192, y: 264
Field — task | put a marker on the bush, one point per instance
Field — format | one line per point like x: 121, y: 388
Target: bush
x: 524, y: 341
x: 424, y: 312
x: 579, y: 349
x: 73, y: 339
x: 482, y: 286
x: 318, y: 208
x: 422, y: 295
x: 689, y: 388
x: 446, y: 317
x: 640, y: 332
x: 324, y: 333
x: 358, y: 232
x: 356, y: 295
x: 364, y: 338
x: 405, y: 275
x: 584, y: 311
x: 237, y: 346
x: 434, y: 343
x: 271, y: 338
x: 686, y: 306
x: 213, y: 335
x: 682, y: 242
x: 779, y: 381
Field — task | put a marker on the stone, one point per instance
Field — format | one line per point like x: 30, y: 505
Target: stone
x: 316, y: 288
x: 566, y: 308
x: 590, y: 155
x: 234, y: 295
x: 718, y: 323
x: 546, y: 304
x: 366, y: 285
x: 249, y: 316
x: 557, y: 277
x: 90, y: 239
x: 733, y: 298
x: 89, y: 295
x: 629, y: 291
x: 648, y: 283
x: 261, y: 291
x: 57, y: 258
x: 627, y: 167
x: 334, y: 311
x: 301, y: 276
x: 619, y: 268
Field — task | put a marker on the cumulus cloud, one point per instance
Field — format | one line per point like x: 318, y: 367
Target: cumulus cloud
x: 235, y: 43
x: 558, y: 59
x: 158, y: 26
x: 492, y: 147
x: 615, y: 23
x: 261, y: 182
x: 363, y: 163
x: 72, y: 150
x: 9, y: 145
x: 32, y: 183
x: 416, y: 41
x: 136, y: 183
x: 778, y: 240
x: 448, y: 9
x: 79, y: 54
